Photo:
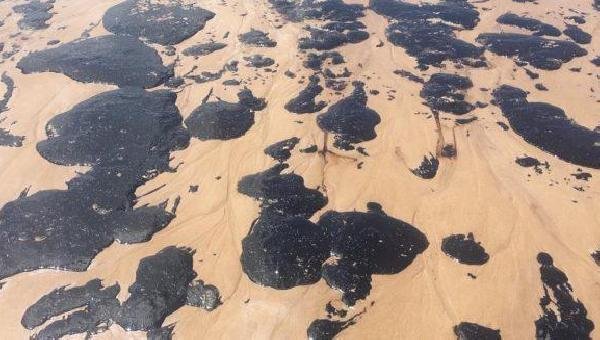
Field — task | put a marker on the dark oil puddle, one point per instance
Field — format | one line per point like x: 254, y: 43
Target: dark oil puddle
x: 542, y: 53
x: 422, y: 30
x: 428, y: 168
x: 305, y: 101
x: 536, y: 26
x: 332, y: 35
x: 35, y: 14
x: 473, y: 331
x: 548, y: 127
x: 336, y: 10
x: 314, y: 61
x: 119, y: 60
x: 465, y: 249
x: 163, y: 284
x: 571, y: 322
x: 281, y: 151
x: 203, y: 49
x: 577, y: 34
x: 350, y: 120
x: 446, y: 92
x: 165, y: 23
x: 257, y: 38
x: 259, y: 61
x: 224, y: 120
x: 325, y: 329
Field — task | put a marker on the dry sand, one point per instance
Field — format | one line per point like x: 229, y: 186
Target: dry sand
x: 513, y: 211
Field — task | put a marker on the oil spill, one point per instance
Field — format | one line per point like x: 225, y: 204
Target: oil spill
x: 35, y: 14
x: 446, y: 92
x: 596, y: 256
x: 542, y: 53
x: 536, y: 26
x: 465, y: 249
x: 281, y: 151
x: 203, y: 49
x: 6, y: 138
x: 530, y: 162
x: 548, y: 127
x: 333, y: 35
x: 325, y: 329
x: 259, y: 61
x: 224, y: 120
x: 163, y: 284
x: 425, y: 32
x: 314, y: 61
x: 473, y: 331
x: 571, y: 321
x: 305, y: 102
x: 428, y: 168
x: 336, y: 10
x: 126, y: 135
x: 282, y: 194
x: 257, y: 38
x: 119, y: 60
x: 350, y: 120
x: 367, y: 243
x: 165, y: 23
x: 577, y: 34
x: 410, y: 76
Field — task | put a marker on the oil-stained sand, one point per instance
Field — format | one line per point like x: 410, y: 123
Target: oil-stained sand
x: 352, y: 169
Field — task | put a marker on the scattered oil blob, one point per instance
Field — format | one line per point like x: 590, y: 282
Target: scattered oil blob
x: 542, y: 53
x: 536, y: 26
x: 224, y: 120
x: 315, y: 61
x: 165, y: 23
x: 410, y: 76
x: 350, y: 120
x: 203, y: 49
x: 428, y: 168
x: 465, y: 249
x: 257, y: 38
x: 325, y: 329
x: 530, y: 162
x: 426, y: 31
x: 473, y: 331
x: 119, y: 60
x: 281, y: 151
x: 259, y: 61
x: 305, y: 101
x: 571, y: 321
x: 35, y: 14
x: 126, y: 136
x: 548, y: 127
x: 446, y: 92
x: 577, y: 34
x: 363, y: 244
x: 163, y: 284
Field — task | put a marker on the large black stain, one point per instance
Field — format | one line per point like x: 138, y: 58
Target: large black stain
x: 363, y: 244
x: 350, y: 120
x: 577, y: 34
x: 534, y: 25
x: 542, y: 53
x: 564, y: 317
x: 163, y: 284
x: 446, y: 92
x: 305, y: 102
x: 427, y: 31
x: 224, y: 120
x: 548, y: 127
x: 473, y: 331
x: 126, y: 136
x: 111, y: 59
x: 165, y: 23
x: 35, y: 14
x: 465, y: 249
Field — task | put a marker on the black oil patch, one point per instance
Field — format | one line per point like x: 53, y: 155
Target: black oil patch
x: 548, y: 128
x: 465, y: 249
x: 424, y: 31
x: 577, y: 34
x: 534, y: 25
x: 305, y: 102
x: 350, y: 120
x: 163, y: 284
x: 410, y: 76
x: 473, y: 331
x: 428, y: 168
x: 6, y: 138
x: 119, y: 60
x: 314, y: 61
x: 336, y: 10
x: 281, y: 151
x: 35, y: 14
x: 542, y: 53
x: 571, y: 321
x: 203, y: 49
x: 446, y: 92
x: 330, y: 37
x: 259, y: 61
x: 126, y: 135
x: 224, y: 120
x: 257, y: 38
x: 325, y: 329
x: 165, y: 23
x: 363, y: 244
x: 282, y: 194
